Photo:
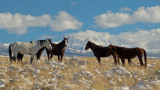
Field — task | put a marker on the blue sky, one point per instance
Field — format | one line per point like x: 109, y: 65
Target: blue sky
x: 27, y: 20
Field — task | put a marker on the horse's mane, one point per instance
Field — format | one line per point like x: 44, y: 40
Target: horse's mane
x: 61, y: 44
x: 43, y: 41
x: 49, y: 40
x: 119, y: 46
x: 95, y: 45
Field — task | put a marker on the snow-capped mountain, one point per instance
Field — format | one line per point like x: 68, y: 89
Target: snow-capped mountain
x: 4, y: 48
x: 77, y: 42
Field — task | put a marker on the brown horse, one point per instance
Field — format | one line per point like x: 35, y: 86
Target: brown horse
x: 100, y: 51
x: 59, y: 49
x: 129, y: 53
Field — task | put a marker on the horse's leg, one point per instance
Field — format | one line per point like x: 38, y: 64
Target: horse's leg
x: 61, y: 58
x: 32, y: 56
x: 15, y: 56
x: 51, y: 55
x: 48, y: 54
x: 99, y: 60
x: 129, y: 61
x: 140, y: 60
x: 123, y: 61
x: 21, y: 59
x: 115, y: 59
x: 58, y: 58
x: 118, y: 61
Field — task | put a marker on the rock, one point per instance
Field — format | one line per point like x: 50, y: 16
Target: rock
x: 119, y: 88
x: 97, y: 71
x: 112, y: 82
x: 2, y: 83
x: 155, y: 83
x: 12, y: 68
x: 2, y: 75
x: 36, y: 85
x: 62, y: 66
x: 82, y: 62
x: 84, y: 83
x: 68, y: 87
x: 83, y: 74
x: 3, y: 69
x: 36, y: 72
x: 57, y: 65
x: 140, y: 86
x: 119, y: 71
x: 82, y: 67
x: 60, y: 77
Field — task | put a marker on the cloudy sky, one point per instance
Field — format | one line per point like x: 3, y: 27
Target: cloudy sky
x: 118, y: 21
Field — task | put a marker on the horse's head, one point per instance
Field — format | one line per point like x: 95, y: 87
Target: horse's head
x: 48, y: 43
x: 66, y: 41
x: 112, y: 47
x: 88, y: 45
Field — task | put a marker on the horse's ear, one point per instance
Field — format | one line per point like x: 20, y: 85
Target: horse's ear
x: 110, y: 45
x: 49, y: 40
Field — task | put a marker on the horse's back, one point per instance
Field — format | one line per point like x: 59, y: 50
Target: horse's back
x: 102, y: 51
x: 130, y: 53
x: 22, y: 47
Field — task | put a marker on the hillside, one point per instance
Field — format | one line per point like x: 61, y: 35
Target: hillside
x: 78, y: 73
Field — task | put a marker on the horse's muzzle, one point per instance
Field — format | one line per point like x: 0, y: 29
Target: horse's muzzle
x: 86, y: 48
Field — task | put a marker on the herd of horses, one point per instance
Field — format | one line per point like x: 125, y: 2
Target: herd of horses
x: 36, y: 48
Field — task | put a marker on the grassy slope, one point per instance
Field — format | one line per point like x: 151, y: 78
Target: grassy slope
x: 70, y: 75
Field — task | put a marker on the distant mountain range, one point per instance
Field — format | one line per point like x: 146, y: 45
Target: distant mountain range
x: 76, y: 47
x: 4, y: 49
x: 77, y: 43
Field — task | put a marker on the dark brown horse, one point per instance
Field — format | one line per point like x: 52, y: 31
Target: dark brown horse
x: 100, y: 51
x: 129, y: 53
x: 59, y: 49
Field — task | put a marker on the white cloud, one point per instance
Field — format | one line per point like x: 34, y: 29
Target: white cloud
x: 112, y: 20
x: 126, y: 9
x: 19, y: 23
x: 65, y: 21
x: 47, y: 36
x: 142, y: 14
x: 148, y: 40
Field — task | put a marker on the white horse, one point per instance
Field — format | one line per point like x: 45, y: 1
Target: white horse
x: 31, y: 48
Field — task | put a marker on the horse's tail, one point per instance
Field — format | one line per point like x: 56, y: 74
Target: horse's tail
x: 10, y: 53
x: 145, y: 57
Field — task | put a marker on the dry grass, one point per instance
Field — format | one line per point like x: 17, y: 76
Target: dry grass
x: 69, y: 75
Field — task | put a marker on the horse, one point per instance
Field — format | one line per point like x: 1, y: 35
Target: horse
x: 18, y: 49
x: 39, y: 53
x: 100, y: 51
x: 59, y: 49
x: 129, y: 53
